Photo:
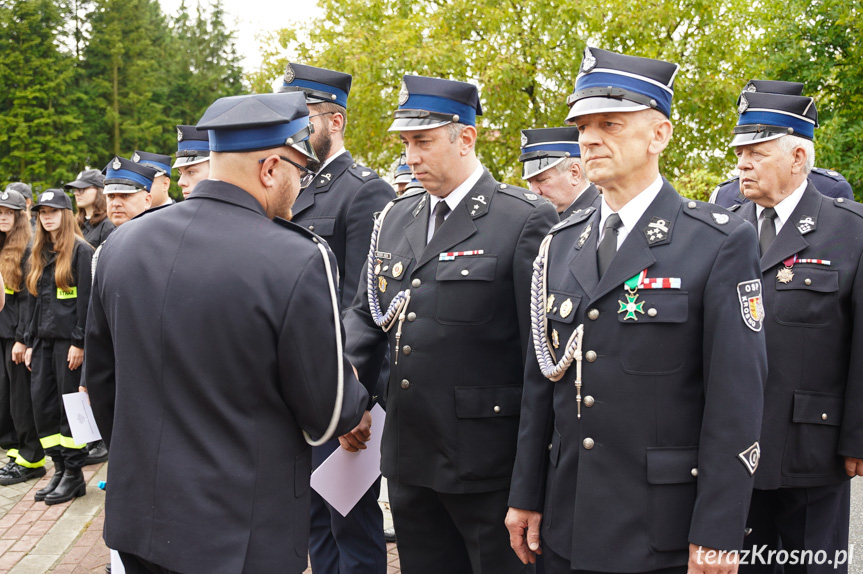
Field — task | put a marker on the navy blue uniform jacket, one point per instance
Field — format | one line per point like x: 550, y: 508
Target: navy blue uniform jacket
x: 211, y: 348
x: 675, y: 396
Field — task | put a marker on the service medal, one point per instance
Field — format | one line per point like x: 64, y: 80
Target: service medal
x: 555, y: 338
x: 397, y: 269
x: 785, y: 275
x: 550, y: 304
x: 382, y: 284
x: 566, y: 308
x: 631, y: 307
x: 378, y: 268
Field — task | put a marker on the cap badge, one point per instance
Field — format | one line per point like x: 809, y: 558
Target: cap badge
x: 588, y: 62
x: 47, y: 196
x: 135, y: 157
x: 750, y: 87
x: 116, y: 164
x: 5, y: 195
x: 523, y: 139
x: 80, y: 175
x: 179, y: 135
x: 403, y: 94
x: 744, y: 104
x: 289, y: 74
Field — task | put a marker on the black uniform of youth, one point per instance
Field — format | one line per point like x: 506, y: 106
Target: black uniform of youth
x: 813, y: 407
x: 58, y: 322
x: 97, y: 234
x: 245, y: 507
x: 339, y: 205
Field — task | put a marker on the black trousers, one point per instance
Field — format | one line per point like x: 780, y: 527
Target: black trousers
x: 798, y: 519
x: 353, y: 543
x: 452, y: 533
x: 136, y: 565
x: 15, y: 391
x: 557, y: 564
x: 50, y: 379
x: 8, y: 436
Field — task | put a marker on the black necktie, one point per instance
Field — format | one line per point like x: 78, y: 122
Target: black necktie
x: 440, y: 212
x: 608, y: 245
x: 768, y: 229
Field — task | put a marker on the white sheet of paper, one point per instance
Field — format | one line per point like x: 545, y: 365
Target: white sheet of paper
x: 345, y: 476
x: 80, y: 417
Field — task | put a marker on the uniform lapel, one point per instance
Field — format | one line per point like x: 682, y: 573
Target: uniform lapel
x: 790, y: 239
x: 582, y: 261
x: 583, y: 201
x: 457, y: 227
x: 635, y: 255
x: 322, y: 182
x: 417, y: 228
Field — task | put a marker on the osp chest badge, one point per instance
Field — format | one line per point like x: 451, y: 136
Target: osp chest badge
x: 751, y: 303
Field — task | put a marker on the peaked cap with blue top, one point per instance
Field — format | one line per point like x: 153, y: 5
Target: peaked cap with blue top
x: 125, y: 176
x: 259, y: 122
x: 426, y: 103
x: 402, y: 172
x: 611, y: 82
x: 319, y: 85
x: 765, y: 117
x: 543, y: 148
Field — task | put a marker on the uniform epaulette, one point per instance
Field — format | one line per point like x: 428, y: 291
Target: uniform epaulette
x: 362, y: 172
x: 734, y: 207
x: 834, y: 175
x: 728, y: 181
x: 575, y: 217
x: 712, y: 214
x: 409, y: 193
x: 520, y: 193
x: 851, y: 206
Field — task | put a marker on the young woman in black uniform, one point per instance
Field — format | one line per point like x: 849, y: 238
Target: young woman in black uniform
x: 26, y: 459
x: 60, y: 279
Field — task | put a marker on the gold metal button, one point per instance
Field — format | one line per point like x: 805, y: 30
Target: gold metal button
x: 694, y: 472
x: 496, y: 408
x: 549, y: 446
x: 588, y: 443
x: 590, y: 356
x: 406, y: 349
x: 589, y: 401
x: 593, y: 314
x: 824, y: 417
x: 412, y: 316
x: 416, y: 283
x: 405, y: 384
x: 652, y: 312
x: 311, y: 227
x: 808, y: 281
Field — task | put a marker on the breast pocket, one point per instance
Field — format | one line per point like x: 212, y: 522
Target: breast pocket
x: 466, y: 295
x: 323, y: 226
x: 810, y: 298
x: 651, y: 337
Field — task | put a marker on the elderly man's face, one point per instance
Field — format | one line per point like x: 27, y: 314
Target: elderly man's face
x: 765, y: 172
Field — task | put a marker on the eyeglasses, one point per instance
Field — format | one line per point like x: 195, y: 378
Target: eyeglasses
x: 306, y: 175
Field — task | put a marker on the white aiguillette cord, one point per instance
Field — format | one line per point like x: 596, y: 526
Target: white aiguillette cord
x: 551, y: 368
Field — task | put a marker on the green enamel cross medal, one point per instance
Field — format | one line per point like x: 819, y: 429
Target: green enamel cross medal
x: 630, y: 307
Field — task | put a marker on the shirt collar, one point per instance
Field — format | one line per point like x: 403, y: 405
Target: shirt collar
x: 634, y: 209
x: 459, y: 193
x: 786, y: 207
x: 330, y: 159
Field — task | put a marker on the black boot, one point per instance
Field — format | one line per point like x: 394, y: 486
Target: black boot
x: 98, y: 453
x: 59, y: 467
x: 71, y: 486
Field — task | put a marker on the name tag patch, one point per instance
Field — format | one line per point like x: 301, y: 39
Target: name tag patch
x: 70, y: 294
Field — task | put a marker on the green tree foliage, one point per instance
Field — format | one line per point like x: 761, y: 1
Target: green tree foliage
x: 524, y: 56
x: 36, y: 104
x: 820, y: 43
x: 83, y: 80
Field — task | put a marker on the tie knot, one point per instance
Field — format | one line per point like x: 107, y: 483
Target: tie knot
x: 613, y: 222
x: 441, y: 209
x: 768, y: 213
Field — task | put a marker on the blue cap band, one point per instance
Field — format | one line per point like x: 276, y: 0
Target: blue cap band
x: 341, y: 96
x: 801, y: 127
x: 466, y: 114
x: 193, y: 145
x: 571, y: 147
x: 599, y: 79
x: 130, y: 175
x: 250, y: 139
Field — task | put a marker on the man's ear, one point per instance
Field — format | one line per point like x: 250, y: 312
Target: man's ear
x: 467, y: 140
x: 148, y: 201
x: 267, y: 172
x: 798, y: 160
x: 337, y: 122
x: 661, y: 131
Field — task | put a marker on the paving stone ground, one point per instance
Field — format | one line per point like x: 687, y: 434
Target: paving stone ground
x: 67, y: 538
